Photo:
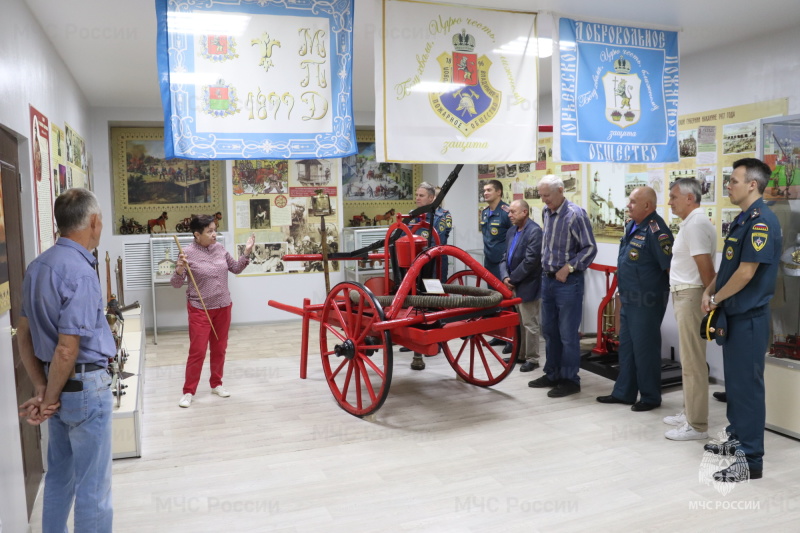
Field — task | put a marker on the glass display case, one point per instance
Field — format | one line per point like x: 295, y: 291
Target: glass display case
x: 779, y: 147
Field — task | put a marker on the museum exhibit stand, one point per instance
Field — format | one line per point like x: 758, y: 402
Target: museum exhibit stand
x: 780, y: 149
x: 126, y: 425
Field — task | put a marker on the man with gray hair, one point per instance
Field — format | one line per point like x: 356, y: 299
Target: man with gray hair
x: 521, y: 271
x: 65, y: 344
x: 691, y: 271
x: 568, y: 248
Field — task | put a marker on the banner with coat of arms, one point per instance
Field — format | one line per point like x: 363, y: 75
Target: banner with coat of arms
x: 256, y: 79
x: 615, y: 93
x: 455, y: 84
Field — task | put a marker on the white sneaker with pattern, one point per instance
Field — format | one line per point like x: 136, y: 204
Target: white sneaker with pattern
x: 220, y: 391
x: 685, y: 432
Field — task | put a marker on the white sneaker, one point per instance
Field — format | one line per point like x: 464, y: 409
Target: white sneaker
x: 676, y: 420
x: 186, y: 400
x: 685, y: 432
x: 220, y: 391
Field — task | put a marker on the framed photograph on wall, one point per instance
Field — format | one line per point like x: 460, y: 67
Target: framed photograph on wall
x: 374, y: 192
x: 153, y: 194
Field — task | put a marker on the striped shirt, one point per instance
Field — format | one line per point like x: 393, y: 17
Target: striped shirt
x: 210, y: 267
x: 567, y: 238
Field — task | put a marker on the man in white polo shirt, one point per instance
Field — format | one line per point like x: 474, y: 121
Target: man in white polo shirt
x: 691, y: 271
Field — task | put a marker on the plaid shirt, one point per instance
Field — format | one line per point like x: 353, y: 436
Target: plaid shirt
x: 567, y: 238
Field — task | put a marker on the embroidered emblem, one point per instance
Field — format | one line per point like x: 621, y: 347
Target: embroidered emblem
x: 494, y: 231
x: 218, y: 48
x: 220, y: 100
x: 760, y: 226
x: 666, y: 247
x: 729, y: 253
x: 759, y: 240
x: 663, y: 237
x: 633, y: 254
x: 622, y: 91
x: 475, y: 102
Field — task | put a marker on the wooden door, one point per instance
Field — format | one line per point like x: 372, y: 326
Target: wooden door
x: 12, y: 208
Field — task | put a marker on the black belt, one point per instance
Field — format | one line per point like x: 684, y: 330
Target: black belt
x: 82, y: 368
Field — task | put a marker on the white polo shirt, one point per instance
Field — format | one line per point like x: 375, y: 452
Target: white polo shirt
x: 696, y: 236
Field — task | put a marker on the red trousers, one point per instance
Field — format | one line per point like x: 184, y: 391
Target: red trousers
x: 200, y: 338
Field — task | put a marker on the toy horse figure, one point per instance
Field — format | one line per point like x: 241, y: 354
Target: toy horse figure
x: 160, y: 221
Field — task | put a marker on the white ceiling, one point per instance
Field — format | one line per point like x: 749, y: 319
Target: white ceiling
x: 110, y: 45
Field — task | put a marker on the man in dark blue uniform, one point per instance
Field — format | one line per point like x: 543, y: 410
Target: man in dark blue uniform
x: 742, y: 289
x: 645, y: 253
x: 442, y: 220
x: 494, y: 227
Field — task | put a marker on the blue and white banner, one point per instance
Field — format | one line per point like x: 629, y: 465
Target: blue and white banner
x: 454, y: 84
x: 256, y: 79
x: 615, y: 93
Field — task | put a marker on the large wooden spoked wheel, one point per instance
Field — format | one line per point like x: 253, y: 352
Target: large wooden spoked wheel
x: 474, y: 358
x: 356, y: 358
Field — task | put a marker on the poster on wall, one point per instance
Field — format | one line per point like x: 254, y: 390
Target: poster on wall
x: 77, y: 159
x: 155, y: 194
x: 280, y: 201
x: 58, y: 160
x: 615, y: 93
x: 373, y: 192
x: 42, y: 179
x: 731, y: 132
x: 256, y: 79
x: 455, y: 84
x: 5, y: 296
x: 520, y: 180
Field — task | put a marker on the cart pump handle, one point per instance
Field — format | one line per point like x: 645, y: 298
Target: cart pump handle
x: 431, y: 208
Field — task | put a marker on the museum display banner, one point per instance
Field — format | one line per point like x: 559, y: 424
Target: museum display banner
x: 615, y: 93
x: 256, y: 79
x: 454, y: 84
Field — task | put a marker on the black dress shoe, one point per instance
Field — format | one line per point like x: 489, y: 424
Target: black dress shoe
x: 564, y: 388
x: 497, y: 342
x: 644, y: 406
x: 728, y: 447
x: 404, y: 349
x: 542, y: 382
x: 721, y: 396
x: 529, y: 366
x: 738, y: 471
x: 611, y: 399
x: 507, y: 349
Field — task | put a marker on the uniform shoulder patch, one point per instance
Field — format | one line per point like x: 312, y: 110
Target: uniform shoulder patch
x: 663, y: 237
x: 504, y: 208
x: 654, y: 226
x: 760, y: 226
x: 666, y: 247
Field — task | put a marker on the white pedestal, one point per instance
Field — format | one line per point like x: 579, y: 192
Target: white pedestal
x: 782, y: 384
x: 126, y: 428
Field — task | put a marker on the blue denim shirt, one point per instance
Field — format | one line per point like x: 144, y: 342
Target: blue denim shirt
x: 61, y: 295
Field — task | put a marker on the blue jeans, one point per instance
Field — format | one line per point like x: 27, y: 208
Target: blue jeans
x: 79, y: 458
x: 562, y: 310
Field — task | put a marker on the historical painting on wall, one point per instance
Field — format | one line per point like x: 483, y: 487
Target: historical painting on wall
x: 282, y: 202
x: 520, y: 180
x: 153, y: 194
x: 781, y: 151
x: 42, y: 179
x: 373, y: 193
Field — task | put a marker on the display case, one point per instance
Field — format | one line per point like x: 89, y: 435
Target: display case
x: 779, y: 147
x: 355, y: 238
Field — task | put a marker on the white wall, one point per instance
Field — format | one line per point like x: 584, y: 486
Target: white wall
x: 30, y: 73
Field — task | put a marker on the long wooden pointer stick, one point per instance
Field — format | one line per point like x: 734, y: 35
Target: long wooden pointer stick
x: 191, y: 277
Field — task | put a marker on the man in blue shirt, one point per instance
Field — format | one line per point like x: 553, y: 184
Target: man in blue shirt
x: 568, y: 248
x: 645, y: 254
x: 742, y: 290
x: 65, y: 344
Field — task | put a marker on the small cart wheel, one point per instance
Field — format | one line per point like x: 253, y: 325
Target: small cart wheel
x: 477, y: 362
x: 466, y: 278
x: 356, y: 358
